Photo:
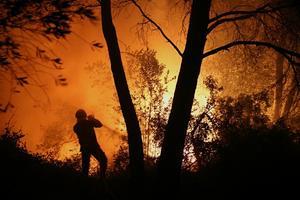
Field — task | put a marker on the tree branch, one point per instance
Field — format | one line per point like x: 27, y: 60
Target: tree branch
x: 283, y: 51
x: 260, y: 10
x: 157, y: 26
x: 288, y: 54
x: 296, y: 76
x: 242, y: 15
x: 237, y: 12
x: 226, y: 20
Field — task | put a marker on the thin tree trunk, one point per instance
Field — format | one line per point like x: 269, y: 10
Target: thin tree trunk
x: 169, y: 166
x: 290, y: 99
x: 136, y: 156
x: 197, y: 154
x: 278, y: 87
x: 196, y: 149
x: 294, y: 91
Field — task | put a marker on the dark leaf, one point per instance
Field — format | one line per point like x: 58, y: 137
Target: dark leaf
x: 22, y: 81
x: 86, y: 13
x: 98, y: 45
x: 4, y: 61
x: 61, y: 80
x: 57, y: 61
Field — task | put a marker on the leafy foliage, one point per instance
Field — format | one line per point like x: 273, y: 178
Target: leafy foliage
x: 26, y: 28
x: 237, y: 135
x: 49, y: 19
x: 150, y: 85
x: 224, y: 122
x: 232, y: 146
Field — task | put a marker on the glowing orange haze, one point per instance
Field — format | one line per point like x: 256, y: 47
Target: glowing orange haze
x: 33, y: 117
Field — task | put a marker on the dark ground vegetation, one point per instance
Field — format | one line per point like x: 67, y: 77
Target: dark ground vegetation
x: 264, y: 162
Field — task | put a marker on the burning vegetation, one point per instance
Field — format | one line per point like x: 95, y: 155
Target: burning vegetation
x: 214, y: 109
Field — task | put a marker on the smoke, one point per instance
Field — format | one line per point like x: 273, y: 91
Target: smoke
x: 46, y: 113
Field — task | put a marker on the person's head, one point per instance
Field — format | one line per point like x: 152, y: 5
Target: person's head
x: 80, y: 114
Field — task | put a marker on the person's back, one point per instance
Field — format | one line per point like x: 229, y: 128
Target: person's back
x: 85, y: 132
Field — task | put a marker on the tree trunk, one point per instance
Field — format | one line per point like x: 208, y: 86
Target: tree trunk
x: 278, y: 87
x: 170, y: 160
x: 293, y: 92
x: 197, y: 153
x: 136, y: 156
x: 290, y: 100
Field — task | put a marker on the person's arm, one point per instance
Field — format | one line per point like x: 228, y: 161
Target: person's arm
x: 75, y: 129
x: 96, y: 122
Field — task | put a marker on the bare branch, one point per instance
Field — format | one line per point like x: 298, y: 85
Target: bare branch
x: 279, y: 49
x: 263, y: 9
x: 288, y: 54
x: 233, y: 16
x: 237, y: 12
x: 226, y: 20
x: 296, y: 75
x: 157, y: 26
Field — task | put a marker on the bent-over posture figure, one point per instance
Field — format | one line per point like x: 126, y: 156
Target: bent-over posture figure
x: 84, y: 129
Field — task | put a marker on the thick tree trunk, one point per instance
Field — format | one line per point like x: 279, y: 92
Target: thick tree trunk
x: 170, y: 160
x: 136, y: 155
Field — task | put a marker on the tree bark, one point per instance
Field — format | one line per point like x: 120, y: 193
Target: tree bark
x: 170, y: 160
x: 136, y: 156
x: 290, y: 100
x: 278, y: 87
x: 292, y: 94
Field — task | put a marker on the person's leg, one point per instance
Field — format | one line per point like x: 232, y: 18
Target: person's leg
x: 85, y: 162
x: 102, y: 159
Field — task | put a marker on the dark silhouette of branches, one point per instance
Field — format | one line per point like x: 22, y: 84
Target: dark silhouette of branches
x: 234, y: 16
x: 157, y: 26
x: 135, y: 143
x: 288, y: 54
x: 20, y: 21
x: 26, y: 28
x: 279, y: 49
x: 171, y: 155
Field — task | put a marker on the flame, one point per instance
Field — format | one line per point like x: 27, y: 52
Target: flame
x: 76, y: 55
x: 68, y: 150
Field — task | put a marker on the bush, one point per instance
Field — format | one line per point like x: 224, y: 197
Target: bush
x: 34, y: 175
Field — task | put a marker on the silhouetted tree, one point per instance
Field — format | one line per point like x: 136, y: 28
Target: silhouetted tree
x: 287, y: 33
x: 201, y: 24
x: 136, y: 156
x: 173, y: 144
x: 149, y: 86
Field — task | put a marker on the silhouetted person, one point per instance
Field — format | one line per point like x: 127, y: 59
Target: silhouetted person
x: 84, y: 128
